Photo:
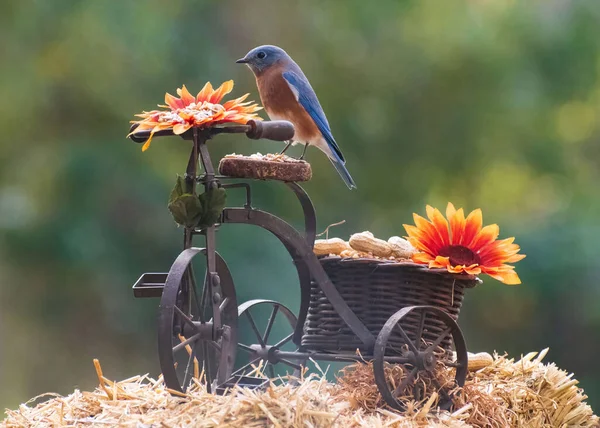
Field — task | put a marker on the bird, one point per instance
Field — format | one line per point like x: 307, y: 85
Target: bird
x: 286, y: 94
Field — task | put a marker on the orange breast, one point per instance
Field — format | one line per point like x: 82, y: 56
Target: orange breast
x: 281, y: 103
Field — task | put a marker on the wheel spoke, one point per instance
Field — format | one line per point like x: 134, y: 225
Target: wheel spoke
x: 270, y: 324
x: 244, y: 367
x: 453, y: 364
x: 224, y: 304
x: 194, y: 292
x: 441, y: 389
x: 284, y: 340
x: 399, y: 360
x: 420, y: 330
x: 207, y: 368
x: 256, y: 332
x: 439, y: 340
x: 186, y: 319
x: 266, y: 336
x: 191, y: 339
x: 289, y: 363
x: 186, y: 306
x: 187, y: 369
x: 245, y: 347
x: 407, y: 340
x: 405, y: 382
x: 203, y: 298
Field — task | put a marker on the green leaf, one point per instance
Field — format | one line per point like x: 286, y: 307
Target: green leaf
x: 177, y: 190
x: 192, y: 211
x: 212, y: 201
x: 186, y: 210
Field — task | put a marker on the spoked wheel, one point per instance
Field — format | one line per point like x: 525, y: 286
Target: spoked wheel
x: 419, y: 338
x: 189, y: 344
x: 269, y: 327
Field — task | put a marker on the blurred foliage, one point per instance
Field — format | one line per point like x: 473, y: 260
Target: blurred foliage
x: 486, y: 103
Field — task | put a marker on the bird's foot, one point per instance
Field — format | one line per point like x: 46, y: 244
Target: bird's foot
x: 287, y: 146
x: 301, y: 158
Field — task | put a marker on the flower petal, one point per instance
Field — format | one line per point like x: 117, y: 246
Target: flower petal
x: 456, y: 269
x: 450, y: 210
x: 186, y: 97
x: 441, y: 227
x: 473, y: 225
x: 221, y: 91
x: 173, y: 102
x: 146, y: 145
x: 237, y: 101
x: 509, y: 277
x: 420, y: 240
x: 422, y: 258
x: 486, y: 236
x: 206, y: 92
x: 180, y: 128
x: 474, y: 269
x: 429, y: 210
x: 515, y: 258
x: 440, y: 262
x: 457, y: 225
x: 429, y: 230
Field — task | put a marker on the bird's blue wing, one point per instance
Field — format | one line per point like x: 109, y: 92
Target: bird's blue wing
x: 308, y: 99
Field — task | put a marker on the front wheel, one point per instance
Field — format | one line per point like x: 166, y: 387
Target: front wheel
x: 190, y: 345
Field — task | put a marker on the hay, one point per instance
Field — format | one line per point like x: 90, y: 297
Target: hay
x: 525, y: 393
x: 357, y: 386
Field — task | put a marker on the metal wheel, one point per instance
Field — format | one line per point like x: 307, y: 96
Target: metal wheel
x: 190, y: 343
x: 269, y: 328
x: 405, y: 338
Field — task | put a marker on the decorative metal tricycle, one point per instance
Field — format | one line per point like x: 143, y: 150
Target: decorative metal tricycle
x: 398, y: 313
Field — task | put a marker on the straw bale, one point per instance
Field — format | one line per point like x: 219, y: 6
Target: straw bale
x: 523, y: 393
x: 505, y: 393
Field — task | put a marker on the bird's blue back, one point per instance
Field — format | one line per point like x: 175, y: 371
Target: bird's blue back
x: 309, y: 101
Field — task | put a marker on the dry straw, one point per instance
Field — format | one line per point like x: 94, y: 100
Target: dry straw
x: 525, y: 393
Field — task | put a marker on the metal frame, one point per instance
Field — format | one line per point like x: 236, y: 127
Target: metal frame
x: 300, y: 247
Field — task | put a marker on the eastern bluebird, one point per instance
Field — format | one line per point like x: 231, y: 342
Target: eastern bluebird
x: 286, y: 94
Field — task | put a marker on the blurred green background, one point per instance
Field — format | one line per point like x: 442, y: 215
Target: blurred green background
x: 491, y: 104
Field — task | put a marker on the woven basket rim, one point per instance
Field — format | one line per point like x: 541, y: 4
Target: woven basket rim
x: 405, y: 264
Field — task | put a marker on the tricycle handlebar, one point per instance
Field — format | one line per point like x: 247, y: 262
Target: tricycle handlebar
x: 277, y: 130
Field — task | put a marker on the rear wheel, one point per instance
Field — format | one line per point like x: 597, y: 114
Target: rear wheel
x: 427, y: 364
x: 266, y: 327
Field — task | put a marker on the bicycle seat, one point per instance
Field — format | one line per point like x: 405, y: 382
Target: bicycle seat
x: 265, y: 167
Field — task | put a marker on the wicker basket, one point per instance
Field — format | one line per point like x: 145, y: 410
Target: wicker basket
x: 375, y: 290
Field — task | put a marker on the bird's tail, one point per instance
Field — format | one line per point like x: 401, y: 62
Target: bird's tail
x: 338, y: 164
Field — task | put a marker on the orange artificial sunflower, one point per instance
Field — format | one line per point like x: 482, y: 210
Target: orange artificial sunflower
x: 463, y: 245
x: 204, y: 110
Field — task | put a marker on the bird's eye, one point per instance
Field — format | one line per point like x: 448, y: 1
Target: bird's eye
x: 261, y: 55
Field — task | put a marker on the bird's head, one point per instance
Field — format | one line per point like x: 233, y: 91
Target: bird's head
x: 263, y: 57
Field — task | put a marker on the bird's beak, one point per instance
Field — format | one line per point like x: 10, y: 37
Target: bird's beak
x: 242, y: 61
